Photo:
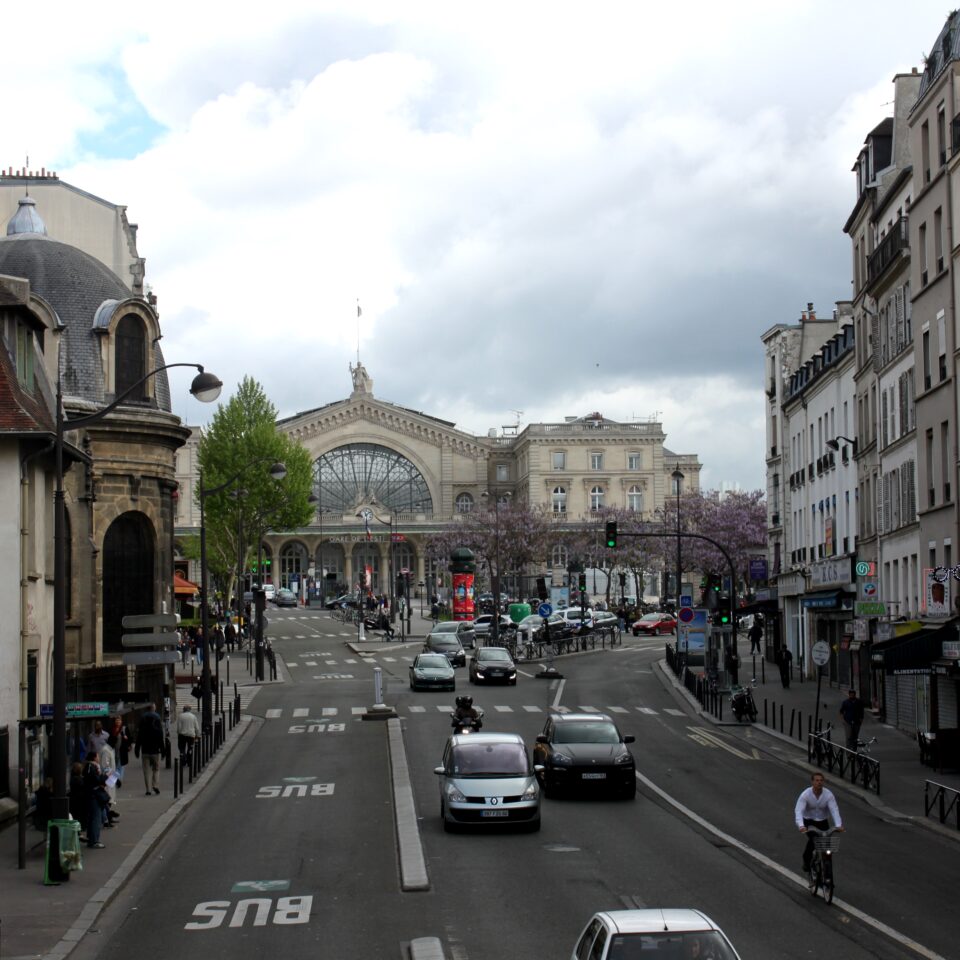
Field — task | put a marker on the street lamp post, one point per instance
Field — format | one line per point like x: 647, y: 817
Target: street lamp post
x: 678, y: 480
x: 206, y: 388
x: 278, y: 471
x: 495, y: 623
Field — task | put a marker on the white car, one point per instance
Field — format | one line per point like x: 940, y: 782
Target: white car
x: 270, y: 591
x: 664, y: 933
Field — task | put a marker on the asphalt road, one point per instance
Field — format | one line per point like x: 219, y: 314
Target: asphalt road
x: 318, y: 866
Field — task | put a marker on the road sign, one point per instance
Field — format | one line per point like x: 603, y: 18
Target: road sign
x: 686, y: 614
x: 545, y: 609
x: 140, y: 657
x: 158, y: 638
x: 686, y: 600
x: 139, y: 621
x: 869, y: 608
x: 820, y: 653
x: 866, y: 568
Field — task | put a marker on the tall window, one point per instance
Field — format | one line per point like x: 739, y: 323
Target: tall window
x: 635, y: 499
x: 559, y: 500
x: 596, y: 498
x: 130, y: 345
x: 634, y: 461
x: 559, y: 460
x: 503, y: 472
x: 558, y: 557
x: 596, y: 461
x: 25, y: 356
x: 464, y: 503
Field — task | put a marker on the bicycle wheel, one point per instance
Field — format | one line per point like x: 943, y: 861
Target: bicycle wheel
x: 814, y: 880
x: 828, y: 879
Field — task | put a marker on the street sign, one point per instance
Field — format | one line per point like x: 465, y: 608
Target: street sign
x: 868, y: 590
x: 866, y: 568
x: 141, y: 657
x: 158, y: 638
x: 820, y: 653
x: 869, y: 608
x: 686, y: 600
x: 151, y: 620
x: 545, y: 609
x: 686, y: 615
x: 80, y: 709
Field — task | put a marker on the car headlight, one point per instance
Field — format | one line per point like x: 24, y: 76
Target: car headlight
x: 455, y: 795
x: 623, y: 758
x: 513, y: 674
x: 561, y: 758
x: 531, y: 792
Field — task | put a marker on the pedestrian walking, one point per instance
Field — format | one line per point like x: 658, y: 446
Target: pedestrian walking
x: 755, y: 633
x: 120, y: 741
x: 784, y: 661
x: 188, y: 732
x: 851, y: 713
x: 149, y: 747
x: 230, y: 635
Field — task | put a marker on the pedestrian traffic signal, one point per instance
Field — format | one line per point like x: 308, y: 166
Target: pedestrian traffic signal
x: 611, y: 533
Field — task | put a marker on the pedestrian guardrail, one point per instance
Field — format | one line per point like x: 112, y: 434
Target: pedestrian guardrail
x: 945, y: 799
x: 856, y: 767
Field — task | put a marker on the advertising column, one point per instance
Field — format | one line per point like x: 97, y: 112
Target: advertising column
x: 462, y: 570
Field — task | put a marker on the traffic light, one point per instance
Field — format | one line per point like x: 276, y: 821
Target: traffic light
x: 723, y: 611
x: 362, y: 579
x: 583, y: 582
x: 611, y: 534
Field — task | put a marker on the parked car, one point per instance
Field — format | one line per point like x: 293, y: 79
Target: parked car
x: 660, y: 932
x: 461, y: 629
x: 577, y: 617
x: 448, y: 645
x: 493, y: 665
x: 432, y: 671
x: 285, y: 598
x: 653, y: 623
x: 487, y: 778
x: 483, y: 625
x: 269, y: 591
x: 532, y: 627
x: 604, y: 618
x: 580, y: 751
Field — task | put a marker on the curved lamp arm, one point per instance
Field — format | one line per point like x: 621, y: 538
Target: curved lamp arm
x: 205, y: 387
x: 278, y: 471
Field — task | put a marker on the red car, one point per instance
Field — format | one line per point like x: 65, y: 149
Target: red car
x: 653, y: 623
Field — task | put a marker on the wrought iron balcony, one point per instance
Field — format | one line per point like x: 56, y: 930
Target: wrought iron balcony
x: 896, y: 239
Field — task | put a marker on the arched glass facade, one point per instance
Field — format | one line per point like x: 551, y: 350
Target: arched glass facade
x: 358, y: 473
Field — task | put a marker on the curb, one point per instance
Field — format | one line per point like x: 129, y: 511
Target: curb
x: 151, y: 837
x: 413, y: 867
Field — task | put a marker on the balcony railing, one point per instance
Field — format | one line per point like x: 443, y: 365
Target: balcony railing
x: 896, y: 239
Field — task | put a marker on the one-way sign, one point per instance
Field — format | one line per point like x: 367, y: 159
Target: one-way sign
x: 140, y: 657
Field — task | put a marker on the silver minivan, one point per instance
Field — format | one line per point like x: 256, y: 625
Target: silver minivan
x: 487, y: 778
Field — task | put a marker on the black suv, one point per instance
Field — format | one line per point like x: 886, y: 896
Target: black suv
x: 581, y: 751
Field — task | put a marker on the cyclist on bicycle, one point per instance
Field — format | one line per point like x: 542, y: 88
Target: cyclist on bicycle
x: 812, y: 810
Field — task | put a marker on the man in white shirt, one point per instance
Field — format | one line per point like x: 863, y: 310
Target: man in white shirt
x: 188, y: 731
x: 813, y: 808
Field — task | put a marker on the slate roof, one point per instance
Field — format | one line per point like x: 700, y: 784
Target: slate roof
x: 75, y: 285
x: 945, y: 49
x: 20, y: 412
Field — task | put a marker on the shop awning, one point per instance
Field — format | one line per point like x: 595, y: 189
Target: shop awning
x: 183, y: 587
x: 821, y: 599
x: 915, y: 651
x: 767, y: 607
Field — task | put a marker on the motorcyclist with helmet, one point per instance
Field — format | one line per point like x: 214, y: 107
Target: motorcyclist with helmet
x: 466, y: 712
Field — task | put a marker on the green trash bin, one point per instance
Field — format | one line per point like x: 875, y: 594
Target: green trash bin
x: 63, y: 851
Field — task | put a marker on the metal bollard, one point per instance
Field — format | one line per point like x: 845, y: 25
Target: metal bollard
x: 177, y: 787
x: 781, y: 718
x: 793, y: 710
x: 765, y: 722
x: 377, y: 686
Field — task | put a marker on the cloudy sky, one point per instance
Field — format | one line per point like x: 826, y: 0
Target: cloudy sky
x: 543, y: 208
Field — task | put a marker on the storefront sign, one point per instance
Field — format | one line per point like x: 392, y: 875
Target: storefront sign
x: 951, y: 650
x: 936, y: 595
x: 867, y: 608
x: 832, y: 573
x: 758, y: 568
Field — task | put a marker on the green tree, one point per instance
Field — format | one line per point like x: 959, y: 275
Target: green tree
x: 238, y: 449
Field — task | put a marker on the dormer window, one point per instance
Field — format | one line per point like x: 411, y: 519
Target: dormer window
x: 25, y: 356
x: 130, y: 356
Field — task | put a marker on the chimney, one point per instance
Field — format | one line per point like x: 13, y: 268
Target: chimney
x: 803, y: 315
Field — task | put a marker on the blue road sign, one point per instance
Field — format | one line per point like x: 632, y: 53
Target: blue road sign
x: 686, y: 600
x: 545, y: 609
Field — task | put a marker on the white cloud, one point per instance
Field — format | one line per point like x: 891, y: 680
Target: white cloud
x: 541, y: 206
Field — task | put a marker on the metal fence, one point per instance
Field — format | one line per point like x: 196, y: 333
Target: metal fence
x: 848, y: 764
x: 945, y: 799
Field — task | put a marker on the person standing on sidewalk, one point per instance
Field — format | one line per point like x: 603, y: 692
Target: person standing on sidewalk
x: 784, y: 661
x: 149, y: 747
x: 851, y: 713
x: 755, y: 633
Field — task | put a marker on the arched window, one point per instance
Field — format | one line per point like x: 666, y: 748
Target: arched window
x: 596, y: 498
x: 359, y: 472
x: 558, y: 557
x: 464, y: 503
x: 130, y: 352
x: 559, y: 500
x: 293, y: 564
x: 635, y: 499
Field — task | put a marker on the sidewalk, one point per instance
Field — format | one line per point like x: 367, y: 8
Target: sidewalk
x: 902, y: 776
x: 48, y: 921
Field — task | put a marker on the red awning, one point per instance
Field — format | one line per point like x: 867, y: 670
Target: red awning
x: 183, y: 587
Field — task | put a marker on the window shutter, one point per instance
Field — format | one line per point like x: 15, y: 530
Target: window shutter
x: 875, y: 341
x: 911, y: 490
x: 884, y: 418
x: 895, y: 498
x: 901, y: 331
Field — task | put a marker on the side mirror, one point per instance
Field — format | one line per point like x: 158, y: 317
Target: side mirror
x: 538, y: 768
x: 629, y: 738
x: 542, y: 738
x: 439, y: 771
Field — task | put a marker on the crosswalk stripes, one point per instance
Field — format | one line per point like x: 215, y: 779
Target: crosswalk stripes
x: 301, y: 712
x: 674, y: 712
x: 647, y: 710
x: 275, y: 713
x: 587, y: 708
x: 618, y: 709
x: 416, y: 709
x: 532, y: 709
x: 503, y: 709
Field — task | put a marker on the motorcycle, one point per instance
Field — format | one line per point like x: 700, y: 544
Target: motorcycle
x: 741, y: 700
x: 467, y: 724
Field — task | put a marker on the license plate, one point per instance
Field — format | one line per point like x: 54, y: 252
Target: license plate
x: 594, y: 776
x: 494, y: 813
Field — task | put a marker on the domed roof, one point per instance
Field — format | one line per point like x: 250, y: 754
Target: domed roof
x: 75, y: 284
x: 26, y: 219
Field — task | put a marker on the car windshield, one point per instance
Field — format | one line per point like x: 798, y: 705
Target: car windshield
x: 444, y: 643
x: 490, y: 760
x: 532, y: 620
x: 592, y: 731
x: 492, y: 653
x: 433, y: 662
x: 450, y: 627
x: 670, y: 946
x: 653, y: 616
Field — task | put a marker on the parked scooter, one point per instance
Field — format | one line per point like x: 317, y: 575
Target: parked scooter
x: 741, y: 700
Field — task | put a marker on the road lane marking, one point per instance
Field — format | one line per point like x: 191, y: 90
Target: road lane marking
x: 674, y: 712
x: 648, y: 710
x: 501, y: 709
x: 273, y: 714
x: 301, y: 712
x: 786, y: 874
x: 587, y: 708
x: 530, y: 709
x: 716, y: 741
x: 559, y: 696
x: 417, y: 709
x: 617, y: 709
x: 330, y: 711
